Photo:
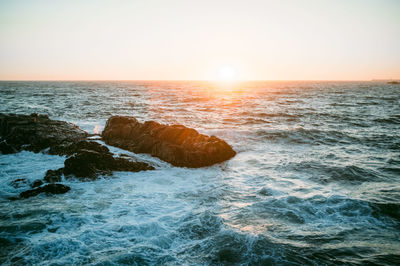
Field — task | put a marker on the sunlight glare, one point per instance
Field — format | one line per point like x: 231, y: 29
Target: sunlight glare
x: 227, y: 73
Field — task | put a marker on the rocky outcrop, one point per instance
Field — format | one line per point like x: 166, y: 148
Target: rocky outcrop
x: 37, y: 132
x: 49, y: 189
x: 176, y: 144
x: 86, y: 159
x: 88, y: 164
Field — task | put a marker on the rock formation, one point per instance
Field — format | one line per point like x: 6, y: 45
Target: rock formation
x: 86, y: 159
x: 88, y: 164
x: 37, y: 132
x: 176, y: 144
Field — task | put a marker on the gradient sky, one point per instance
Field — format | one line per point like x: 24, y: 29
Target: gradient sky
x: 191, y: 40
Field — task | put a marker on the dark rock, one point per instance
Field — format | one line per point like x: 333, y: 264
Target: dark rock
x: 122, y: 164
x: 90, y: 159
x: 37, y: 183
x: 70, y: 149
x: 88, y: 164
x: 50, y: 188
x: 85, y: 164
x: 176, y: 144
x: 20, y: 182
x: 13, y: 198
x: 6, y: 148
x: 37, y: 132
x: 53, y: 176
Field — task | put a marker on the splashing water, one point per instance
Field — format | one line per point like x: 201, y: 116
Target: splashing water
x: 96, y: 129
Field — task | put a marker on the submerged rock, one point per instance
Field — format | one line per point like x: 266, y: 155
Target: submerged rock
x: 53, y: 176
x: 50, y: 189
x: 176, y: 144
x: 37, y: 132
x: 20, y: 182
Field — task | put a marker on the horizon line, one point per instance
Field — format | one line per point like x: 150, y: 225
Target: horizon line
x: 195, y: 80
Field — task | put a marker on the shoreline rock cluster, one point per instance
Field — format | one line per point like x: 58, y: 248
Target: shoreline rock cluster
x: 37, y: 132
x: 86, y: 160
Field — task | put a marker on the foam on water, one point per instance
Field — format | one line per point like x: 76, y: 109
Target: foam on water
x: 315, y: 180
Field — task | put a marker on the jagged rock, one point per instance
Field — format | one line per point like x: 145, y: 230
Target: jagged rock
x: 37, y: 132
x: 50, y: 189
x: 88, y: 164
x: 36, y: 183
x: 176, y: 144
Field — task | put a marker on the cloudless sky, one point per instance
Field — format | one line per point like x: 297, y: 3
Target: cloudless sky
x: 191, y: 40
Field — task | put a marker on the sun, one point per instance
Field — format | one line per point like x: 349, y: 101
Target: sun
x: 227, y: 73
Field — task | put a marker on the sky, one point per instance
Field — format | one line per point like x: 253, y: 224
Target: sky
x: 194, y: 40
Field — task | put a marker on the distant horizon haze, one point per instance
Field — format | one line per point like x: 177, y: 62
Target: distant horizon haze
x: 186, y: 80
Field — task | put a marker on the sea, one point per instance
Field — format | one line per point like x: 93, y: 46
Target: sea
x: 316, y: 178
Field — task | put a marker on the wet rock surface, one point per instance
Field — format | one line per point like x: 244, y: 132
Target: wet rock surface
x: 37, y: 132
x: 49, y: 189
x: 176, y: 144
x: 88, y: 164
x: 37, y: 183
x: 70, y: 149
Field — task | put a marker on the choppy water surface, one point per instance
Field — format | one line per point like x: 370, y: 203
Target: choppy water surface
x: 315, y: 180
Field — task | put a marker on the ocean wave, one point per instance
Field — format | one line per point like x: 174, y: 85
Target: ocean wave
x: 323, y: 173
x: 395, y: 120
x: 326, y: 211
x: 301, y: 135
x: 315, y: 180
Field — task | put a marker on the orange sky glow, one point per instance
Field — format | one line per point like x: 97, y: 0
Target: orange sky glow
x: 200, y: 40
